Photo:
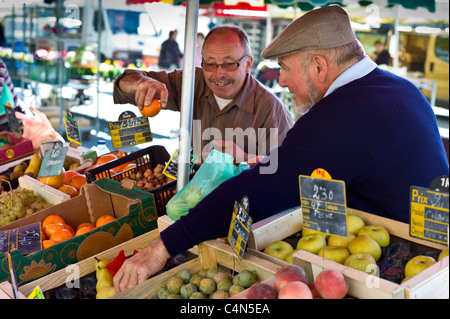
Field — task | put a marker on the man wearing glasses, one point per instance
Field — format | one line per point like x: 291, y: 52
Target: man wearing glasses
x: 231, y: 108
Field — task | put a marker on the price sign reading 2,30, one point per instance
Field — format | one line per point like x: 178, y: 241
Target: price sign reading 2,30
x: 324, y: 205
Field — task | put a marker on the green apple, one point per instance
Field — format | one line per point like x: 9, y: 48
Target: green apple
x: 362, y: 261
x: 354, y: 224
x: 340, y: 241
x: 307, y: 231
x: 377, y: 233
x: 365, y: 244
x: 418, y: 264
x: 279, y: 249
x: 338, y: 254
x: 443, y: 254
x: 312, y: 243
x: 289, y: 257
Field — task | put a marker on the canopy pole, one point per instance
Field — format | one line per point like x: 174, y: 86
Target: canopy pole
x: 187, y: 92
x: 397, y: 40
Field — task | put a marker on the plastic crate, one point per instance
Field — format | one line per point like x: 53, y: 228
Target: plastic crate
x: 146, y: 158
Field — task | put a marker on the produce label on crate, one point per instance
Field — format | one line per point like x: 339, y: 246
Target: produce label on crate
x: 130, y: 130
x: 429, y: 214
x: 171, y: 169
x: 26, y: 239
x: 53, y: 161
x: 240, y: 226
x: 72, y: 129
x: 323, y: 202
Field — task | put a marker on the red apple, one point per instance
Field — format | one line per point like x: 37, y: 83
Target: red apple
x: 261, y: 291
x: 331, y: 284
x: 314, y: 291
x: 288, y: 274
x: 295, y: 290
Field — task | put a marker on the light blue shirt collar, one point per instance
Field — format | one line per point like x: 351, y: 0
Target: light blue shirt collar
x: 356, y: 71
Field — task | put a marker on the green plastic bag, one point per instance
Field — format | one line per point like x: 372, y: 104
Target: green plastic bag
x: 217, y: 168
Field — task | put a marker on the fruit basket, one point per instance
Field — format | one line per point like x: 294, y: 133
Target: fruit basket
x: 211, y: 254
x: 144, y: 159
x: 427, y: 284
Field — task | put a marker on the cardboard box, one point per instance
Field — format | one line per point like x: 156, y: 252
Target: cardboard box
x: 431, y: 283
x: 20, y: 147
x: 135, y: 212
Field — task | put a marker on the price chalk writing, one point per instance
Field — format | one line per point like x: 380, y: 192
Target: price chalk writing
x: 130, y: 131
x: 324, y: 206
x: 171, y: 169
x: 26, y: 239
x: 53, y: 161
x: 240, y: 226
x: 72, y: 129
x: 429, y: 214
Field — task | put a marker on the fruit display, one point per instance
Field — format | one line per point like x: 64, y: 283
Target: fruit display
x: 99, y: 284
x: 9, y: 178
x: 19, y: 203
x: 56, y: 230
x: 291, y: 282
x: 150, y: 179
x: 212, y: 283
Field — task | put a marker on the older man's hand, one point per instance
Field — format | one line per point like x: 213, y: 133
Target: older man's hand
x: 141, y: 266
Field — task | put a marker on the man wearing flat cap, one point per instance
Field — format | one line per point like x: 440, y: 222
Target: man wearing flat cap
x: 365, y: 126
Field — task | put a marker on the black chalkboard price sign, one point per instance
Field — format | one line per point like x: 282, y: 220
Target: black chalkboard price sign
x: 324, y: 206
x: 171, y: 168
x: 429, y: 214
x: 240, y: 226
x: 12, y: 120
x: 72, y: 129
x: 26, y: 239
x: 53, y: 160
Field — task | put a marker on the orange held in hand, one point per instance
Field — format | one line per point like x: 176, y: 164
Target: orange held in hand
x: 152, y: 109
x: 105, y: 219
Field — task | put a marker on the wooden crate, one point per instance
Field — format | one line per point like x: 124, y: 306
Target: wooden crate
x: 6, y: 291
x: 87, y: 266
x: 50, y: 194
x: 431, y: 283
x: 212, y: 253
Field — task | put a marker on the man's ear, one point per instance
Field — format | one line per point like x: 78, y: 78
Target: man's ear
x: 320, y: 68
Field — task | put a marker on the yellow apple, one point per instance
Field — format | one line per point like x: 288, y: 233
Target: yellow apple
x: 340, y: 241
x: 443, y: 254
x: 289, y: 257
x: 377, y: 233
x: 354, y: 224
x: 365, y: 244
x: 338, y: 254
x: 279, y: 249
x: 312, y: 243
x: 306, y: 231
x: 418, y: 264
x: 364, y: 262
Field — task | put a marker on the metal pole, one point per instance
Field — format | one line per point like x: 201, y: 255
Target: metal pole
x: 99, y: 28
x: 397, y: 40
x: 187, y: 92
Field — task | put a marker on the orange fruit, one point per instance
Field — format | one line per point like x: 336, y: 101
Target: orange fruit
x: 52, y: 219
x: 105, y: 158
x: 105, y: 219
x: 54, y: 181
x: 69, y: 175
x: 152, y: 109
x: 53, y: 228
x: 84, y: 225
x: 129, y: 166
x: 83, y: 230
x: 61, y: 235
x: 119, y: 153
x: 69, y: 228
x: 78, y: 181
x: 43, y: 234
x: 69, y: 189
x: 48, y: 243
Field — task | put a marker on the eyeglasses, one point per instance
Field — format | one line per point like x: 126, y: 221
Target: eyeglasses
x: 231, y: 66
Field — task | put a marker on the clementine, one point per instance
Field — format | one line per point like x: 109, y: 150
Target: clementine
x: 69, y: 228
x: 129, y: 166
x: 69, y: 189
x: 152, y: 109
x: 52, y: 219
x: 53, y: 228
x: 43, y: 234
x: 106, y: 158
x: 61, y: 235
x: 48, y: 243
x: 78, y: 181
x: 84, y: 225
x: 105, y: 219
x: 54, y: 181
x: 83, y: 230
x: 69, y: 175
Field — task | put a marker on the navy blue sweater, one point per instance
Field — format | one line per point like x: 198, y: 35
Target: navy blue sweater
x: 378, y: 134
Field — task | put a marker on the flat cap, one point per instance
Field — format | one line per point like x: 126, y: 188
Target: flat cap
x: 324, y: 28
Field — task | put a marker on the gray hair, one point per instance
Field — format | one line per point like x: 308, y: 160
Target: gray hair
x: 243, y: 37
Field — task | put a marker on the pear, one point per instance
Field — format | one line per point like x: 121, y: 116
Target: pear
x: 101, y: 263
x: 104, y: 279
x: 105, y: 292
